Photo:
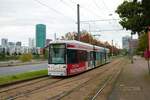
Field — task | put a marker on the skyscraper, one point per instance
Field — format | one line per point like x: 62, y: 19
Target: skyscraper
x: 125, y: 42
x: 40, y: 35
x: 4, y: 42
x: 18, y: 43
x: 31, y: 42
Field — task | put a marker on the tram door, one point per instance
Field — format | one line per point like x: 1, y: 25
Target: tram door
x: 94, y: 61
x: 89, y: 60
x: 93, y: 58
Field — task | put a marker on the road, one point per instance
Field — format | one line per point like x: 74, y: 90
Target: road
x: 23, y: 68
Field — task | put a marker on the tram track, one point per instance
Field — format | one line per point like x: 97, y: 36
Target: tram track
x: 51, y: 85
x: 66, y: 93
x: 45, y: 87
x: 27, y: 84
x: 62, y: 97
x: 100, y: 90
x: 19, y: 90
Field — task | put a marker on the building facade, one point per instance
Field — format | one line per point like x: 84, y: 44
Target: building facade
x: 125, y: 42
x: 4, y: 42
x: 18, y: 44
x: 31, y: 42
x: 40, y: 35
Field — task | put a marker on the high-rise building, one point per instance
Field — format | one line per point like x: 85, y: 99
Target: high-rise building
x: 4, y: 42
x: 11, y: 44
x: 18, y: 44
x: 125, y: 42
x: 31, y: 42
x: 40, y: 35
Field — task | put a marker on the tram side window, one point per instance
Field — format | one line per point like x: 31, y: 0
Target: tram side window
x: 82, y: 55
x: 72, y: 56
x: 103, y: 56
x: 76, y: 56
x: 98, y: 56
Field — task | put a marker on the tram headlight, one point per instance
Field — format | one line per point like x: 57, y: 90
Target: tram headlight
x: 49, y: 67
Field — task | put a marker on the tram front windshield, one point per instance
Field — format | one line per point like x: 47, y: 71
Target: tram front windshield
x: 57, y: 54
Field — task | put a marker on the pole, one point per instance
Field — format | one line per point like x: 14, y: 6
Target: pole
x: 112, y: 49
x: 148, y: 48
x: 78, y: 21
x: 131, y: 49
x: 55, y: 36
x: 148, y: 66
x: 89, y: 28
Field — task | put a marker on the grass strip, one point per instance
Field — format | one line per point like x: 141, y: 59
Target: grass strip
x: 22, y: 76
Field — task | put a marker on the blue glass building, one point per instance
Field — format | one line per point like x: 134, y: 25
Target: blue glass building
x: 40, y: 35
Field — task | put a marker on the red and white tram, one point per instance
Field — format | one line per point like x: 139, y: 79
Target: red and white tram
x: 73, y: 57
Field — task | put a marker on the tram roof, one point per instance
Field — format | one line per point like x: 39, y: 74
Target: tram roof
x: 77, y: 43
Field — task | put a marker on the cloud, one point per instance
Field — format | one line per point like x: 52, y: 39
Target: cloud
x: 19, y: 17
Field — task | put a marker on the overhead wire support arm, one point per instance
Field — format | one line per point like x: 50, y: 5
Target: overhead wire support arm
x: 99, y: 20
x: 107, y: 30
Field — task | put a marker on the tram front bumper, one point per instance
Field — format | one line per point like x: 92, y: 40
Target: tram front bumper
x: 57, y: 73
x: 57, y: 70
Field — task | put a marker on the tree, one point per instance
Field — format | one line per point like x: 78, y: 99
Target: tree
x: 131, y: 16
x: 25, y: 57
x: 2, y: 56
x: 143, y: 42
x: 86, y: 37
x: 71, y: 36
x: 46, y: 54
x: 146, y: 12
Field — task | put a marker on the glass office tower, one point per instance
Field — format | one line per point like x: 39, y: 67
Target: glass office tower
x: 40, y: 35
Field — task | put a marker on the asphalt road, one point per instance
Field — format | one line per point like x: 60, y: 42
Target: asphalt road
x: 22, y: 68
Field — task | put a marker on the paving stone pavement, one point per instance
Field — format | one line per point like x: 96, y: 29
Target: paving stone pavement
x: 133, y: 83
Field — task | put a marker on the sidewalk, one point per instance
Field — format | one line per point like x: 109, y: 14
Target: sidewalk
x: 17, y: 63
x: 133, y: 83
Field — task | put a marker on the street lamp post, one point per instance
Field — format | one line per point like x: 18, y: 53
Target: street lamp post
x: 131, y: 47
x: 112, y: 49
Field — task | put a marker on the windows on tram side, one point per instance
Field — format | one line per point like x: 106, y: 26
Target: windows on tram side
x: 98, y: 56
x: 72, y: 56
x: 76, y: 56
x: 82, y: 55
x: 95, y: 56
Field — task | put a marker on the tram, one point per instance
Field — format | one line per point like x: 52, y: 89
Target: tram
x: 70, y: 57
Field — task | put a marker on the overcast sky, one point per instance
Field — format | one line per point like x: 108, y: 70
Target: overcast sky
x: 19, y: 17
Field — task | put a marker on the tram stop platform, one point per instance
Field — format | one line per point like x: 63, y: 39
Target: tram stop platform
x: 133, y: 83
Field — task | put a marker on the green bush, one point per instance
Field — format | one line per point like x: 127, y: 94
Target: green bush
x: 36, y: 56
x: 25, y: 57
x: 2, y: 56
x: 46, y: 54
